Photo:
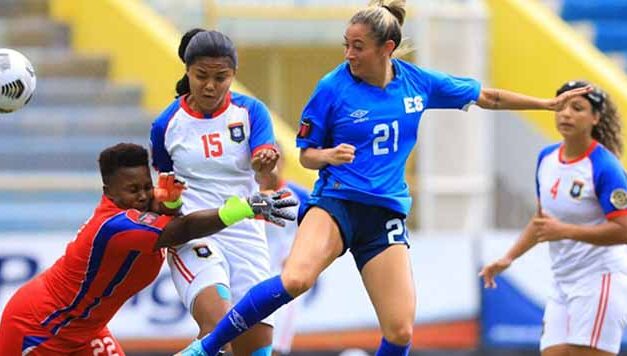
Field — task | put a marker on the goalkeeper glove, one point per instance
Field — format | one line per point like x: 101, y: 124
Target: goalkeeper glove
x: 169, y: 189
x: 259, y: 205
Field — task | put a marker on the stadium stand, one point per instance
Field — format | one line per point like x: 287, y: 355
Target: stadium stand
x: 608, y: 19
x: 48, y: 152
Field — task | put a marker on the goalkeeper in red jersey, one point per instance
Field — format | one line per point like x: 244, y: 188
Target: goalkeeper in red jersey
x: 115, y: 254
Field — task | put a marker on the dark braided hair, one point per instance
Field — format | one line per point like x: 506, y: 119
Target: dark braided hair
x: 182, y: 86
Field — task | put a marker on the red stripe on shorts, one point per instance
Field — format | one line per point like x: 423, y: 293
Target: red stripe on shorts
x: 180, y: 266
x: 601, y: 311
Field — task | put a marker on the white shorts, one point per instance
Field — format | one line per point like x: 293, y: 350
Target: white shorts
x: 591, y: 312
x: 206, y: 262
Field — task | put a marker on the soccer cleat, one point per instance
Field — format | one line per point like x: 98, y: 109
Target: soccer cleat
x: 195, y: 349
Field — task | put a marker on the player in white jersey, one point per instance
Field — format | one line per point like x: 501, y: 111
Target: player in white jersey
x: 582, y: 196
x: 280, y: 240
x: 221, y: 143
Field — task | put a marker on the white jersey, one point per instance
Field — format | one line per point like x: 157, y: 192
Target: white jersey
x: 585, y: 191
x: 213, y: 155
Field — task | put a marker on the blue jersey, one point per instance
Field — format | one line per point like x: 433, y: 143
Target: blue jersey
x: 382, y: 123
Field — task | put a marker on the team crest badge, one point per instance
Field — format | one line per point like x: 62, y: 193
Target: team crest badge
x: 305, y: 128
x: 618, y: 198
x: 576, y: 189
x: 237, y: 132
x: 202, y: 251
x: 148, y: 218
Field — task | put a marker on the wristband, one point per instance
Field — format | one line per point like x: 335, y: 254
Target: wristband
x: 173, y: 204
x: 235, y: 209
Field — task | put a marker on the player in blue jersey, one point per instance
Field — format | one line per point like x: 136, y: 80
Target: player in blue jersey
x: 582, y: 196
x: 358, y: 129
x: 221, y: 142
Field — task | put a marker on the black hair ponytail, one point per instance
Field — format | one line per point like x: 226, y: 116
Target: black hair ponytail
x: 182, y: 86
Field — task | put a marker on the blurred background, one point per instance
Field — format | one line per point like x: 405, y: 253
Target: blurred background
x: 107, y: 67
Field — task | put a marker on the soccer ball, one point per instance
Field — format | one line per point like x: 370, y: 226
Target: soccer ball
x: 17, y: 80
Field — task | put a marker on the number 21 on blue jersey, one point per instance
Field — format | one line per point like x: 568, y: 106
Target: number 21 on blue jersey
x: 382, y: 136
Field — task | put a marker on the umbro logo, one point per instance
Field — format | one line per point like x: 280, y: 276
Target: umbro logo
x: 237, y: 321
x: 358, y: 114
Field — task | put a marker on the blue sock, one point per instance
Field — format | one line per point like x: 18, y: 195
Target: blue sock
x: 260, y: 301
x: 389, y: 349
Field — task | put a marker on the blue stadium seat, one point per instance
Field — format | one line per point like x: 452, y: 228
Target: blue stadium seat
x: 58, y: 153
x: 611, y: 35
x: 607, y: 17
x: 592, y: 10
x: 46, y: 211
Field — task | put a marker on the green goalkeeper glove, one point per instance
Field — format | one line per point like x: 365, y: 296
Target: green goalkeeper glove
x: 259, y: 205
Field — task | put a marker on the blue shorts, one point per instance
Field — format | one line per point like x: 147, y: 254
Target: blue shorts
x: 366, y: 230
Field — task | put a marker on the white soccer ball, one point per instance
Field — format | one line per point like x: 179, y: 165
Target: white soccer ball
x: 17, y: 80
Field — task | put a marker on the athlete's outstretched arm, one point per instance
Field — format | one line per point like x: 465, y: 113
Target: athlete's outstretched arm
x: 206, y: 222
x: 524, y: 243
x: 613, y: 232
x: 500, y: 99
x: 188, y: 227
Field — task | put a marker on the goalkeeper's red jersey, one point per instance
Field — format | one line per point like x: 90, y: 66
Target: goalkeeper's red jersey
x: 111, y: 259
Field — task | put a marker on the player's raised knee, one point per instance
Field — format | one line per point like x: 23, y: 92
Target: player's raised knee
x: 399, y: 333
x: 297, y: 283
